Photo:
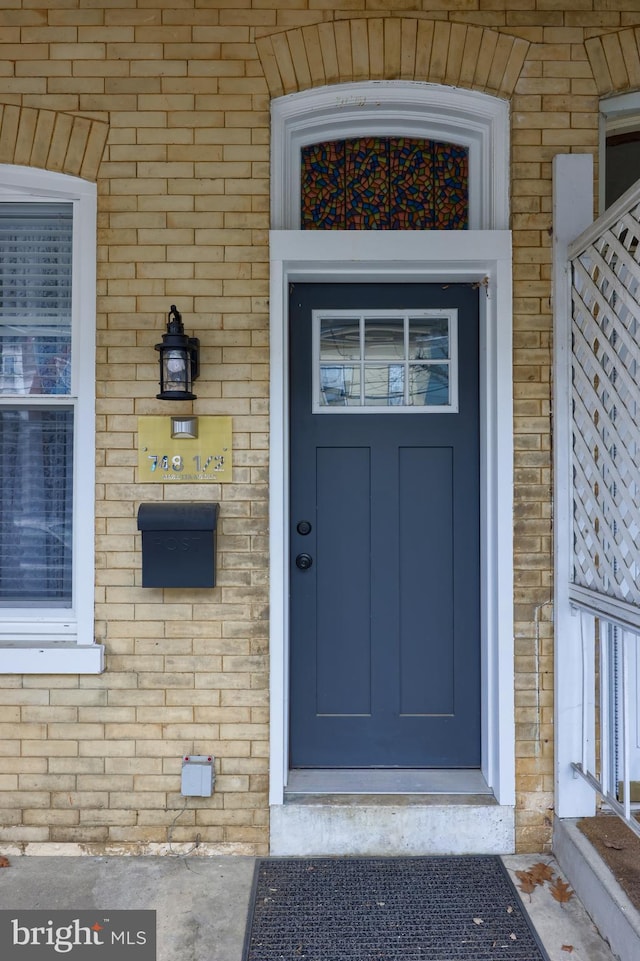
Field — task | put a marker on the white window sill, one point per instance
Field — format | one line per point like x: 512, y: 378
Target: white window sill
x: 51, y: 658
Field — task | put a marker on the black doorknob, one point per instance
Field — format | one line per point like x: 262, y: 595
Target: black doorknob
x: 304, y: 561
x: 304, y: 527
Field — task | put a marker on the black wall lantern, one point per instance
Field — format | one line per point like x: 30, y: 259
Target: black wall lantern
x: 179, y: 360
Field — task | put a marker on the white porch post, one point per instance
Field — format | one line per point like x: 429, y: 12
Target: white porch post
x: 572, y: 213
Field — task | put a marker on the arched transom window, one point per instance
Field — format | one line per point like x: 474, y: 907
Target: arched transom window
x: 389, y: 155
x: 384, y: 183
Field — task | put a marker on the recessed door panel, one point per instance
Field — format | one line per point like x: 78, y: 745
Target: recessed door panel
x: 425, y: 561
x: 344, y: 623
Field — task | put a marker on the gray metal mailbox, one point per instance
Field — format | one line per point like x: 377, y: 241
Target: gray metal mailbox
x: 178, y: 543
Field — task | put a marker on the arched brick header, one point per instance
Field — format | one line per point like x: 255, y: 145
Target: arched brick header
x: 53, y: 141
x: 392, y: 49
x: 615, y: 60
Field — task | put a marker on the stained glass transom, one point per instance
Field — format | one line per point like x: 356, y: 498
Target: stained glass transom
x: 384, y: 183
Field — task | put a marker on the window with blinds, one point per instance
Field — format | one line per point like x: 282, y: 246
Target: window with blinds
x: 37, y: 409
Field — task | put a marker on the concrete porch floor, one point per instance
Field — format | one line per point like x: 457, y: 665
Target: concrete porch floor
x: 202, y: 901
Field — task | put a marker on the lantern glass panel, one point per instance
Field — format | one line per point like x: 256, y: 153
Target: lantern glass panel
x: 176, y: 370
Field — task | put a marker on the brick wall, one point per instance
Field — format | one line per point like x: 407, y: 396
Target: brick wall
x: 166, y: 105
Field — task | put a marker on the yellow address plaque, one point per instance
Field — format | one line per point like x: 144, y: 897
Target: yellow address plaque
x: 167, y: 459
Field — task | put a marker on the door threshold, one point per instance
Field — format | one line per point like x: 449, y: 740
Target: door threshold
x: 382, y: 820
x: 378, y: 781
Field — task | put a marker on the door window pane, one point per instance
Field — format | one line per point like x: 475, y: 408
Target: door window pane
x: 429, y: 339
x: 384, y: 339
x: 429, y: 385
x: 385, y: 360
x: 339, y: 339
x: 384, y: 385
x: 340, y: 386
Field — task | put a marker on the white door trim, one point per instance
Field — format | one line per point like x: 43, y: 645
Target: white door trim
x: 482, y: 257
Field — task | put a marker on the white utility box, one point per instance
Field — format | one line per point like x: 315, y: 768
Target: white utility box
x: 197, y: 775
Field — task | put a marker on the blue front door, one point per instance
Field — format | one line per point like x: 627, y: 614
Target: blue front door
x: 385, y: 581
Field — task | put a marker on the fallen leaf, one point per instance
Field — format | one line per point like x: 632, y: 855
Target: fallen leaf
x: 4, y: 862
x: 478, y: 921
x: 509, y: 910
x: 541, y: 872
x: 561, y: 891
x: 513, y: 937
x: 568, y: 948
x: 612, y: 844
x: 527, y: 884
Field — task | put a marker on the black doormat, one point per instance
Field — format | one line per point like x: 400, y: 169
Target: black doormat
x: 387, y: 909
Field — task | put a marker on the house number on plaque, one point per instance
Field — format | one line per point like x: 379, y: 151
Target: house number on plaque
x: 215, y: 461
x: 204, y: 458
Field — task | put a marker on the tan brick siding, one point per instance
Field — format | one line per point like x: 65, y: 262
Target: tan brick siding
x: 166, y: 105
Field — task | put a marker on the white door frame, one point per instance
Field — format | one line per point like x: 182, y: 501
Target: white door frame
x: 480, y: 257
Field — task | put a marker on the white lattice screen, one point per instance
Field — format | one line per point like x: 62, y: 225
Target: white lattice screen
x: 606, y: 412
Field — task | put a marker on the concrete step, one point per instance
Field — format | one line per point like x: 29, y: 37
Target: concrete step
x: 607, y: 904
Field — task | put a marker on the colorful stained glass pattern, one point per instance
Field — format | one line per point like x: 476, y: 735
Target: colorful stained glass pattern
x: 367, y: 184
x: 412, y: 185
x: 384, y: 183
x: 450, y: 167
x: 323, y: 185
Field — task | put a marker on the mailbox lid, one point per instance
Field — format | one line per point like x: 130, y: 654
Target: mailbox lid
x: 178, y: 516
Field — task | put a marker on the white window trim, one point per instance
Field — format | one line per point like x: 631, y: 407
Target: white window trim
x: 62, y: 642
x: 394, y: 108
